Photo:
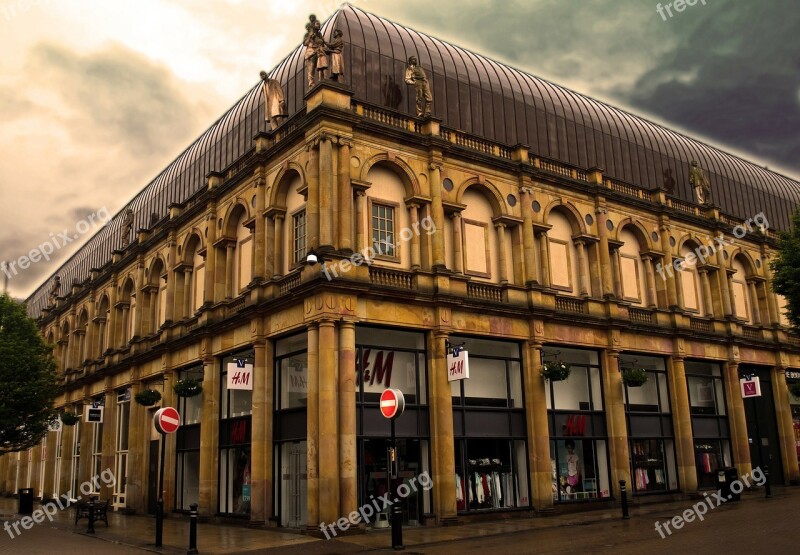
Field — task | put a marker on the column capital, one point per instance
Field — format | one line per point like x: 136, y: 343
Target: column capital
x: 435, y: 165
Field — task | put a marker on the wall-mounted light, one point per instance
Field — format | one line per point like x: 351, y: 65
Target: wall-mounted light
x: 312, y: 258
x: 452, y: 348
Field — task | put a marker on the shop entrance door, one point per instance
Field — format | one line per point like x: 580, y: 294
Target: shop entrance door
x: 374, y: 480
x: 294, y: 484
x: 762, y: 427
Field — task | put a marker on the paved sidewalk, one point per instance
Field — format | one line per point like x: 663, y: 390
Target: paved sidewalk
x: 138, y: 531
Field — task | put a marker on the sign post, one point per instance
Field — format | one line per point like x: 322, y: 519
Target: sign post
x: 392, y: 405
x: 166, y: 421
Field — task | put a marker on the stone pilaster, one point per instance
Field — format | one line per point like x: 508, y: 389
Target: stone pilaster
x: 615, y: 420
x: 209, y: 285
x: 312, y: 428
x: 312, y: 200
x: 345, y: 210
x: 328, y: 423
x: 682, y: 421
x: 437, y: 213
x: 261, y: 448
x: 348, y: 493
x: 605, y: 260
x: 528, y: 238
x: 441, y: 413
x: 209, y: 439
x: 109, y: 431
x: 539, y: 469
x: 136, y: 488
x: 736, y: 418
x: 326, y: 191
x: 259, y: 251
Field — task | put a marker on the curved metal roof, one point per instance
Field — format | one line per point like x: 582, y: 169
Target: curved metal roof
x: 471, y: 93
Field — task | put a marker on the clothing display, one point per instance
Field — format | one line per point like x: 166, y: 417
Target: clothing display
x: 649, y: 473
x: 488, y: 486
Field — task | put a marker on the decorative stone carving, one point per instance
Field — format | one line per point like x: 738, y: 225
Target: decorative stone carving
x: 415, y: 75
x: 702, y: 187
x: 274, y: 101
x: 127, y: 227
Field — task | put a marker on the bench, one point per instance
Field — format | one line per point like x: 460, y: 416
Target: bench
x: 100, y: 511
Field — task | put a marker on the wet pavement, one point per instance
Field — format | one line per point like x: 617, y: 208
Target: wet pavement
x: 755, y: 525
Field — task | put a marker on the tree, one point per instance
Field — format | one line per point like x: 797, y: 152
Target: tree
x: 27, y: 379
x: 786, y: 270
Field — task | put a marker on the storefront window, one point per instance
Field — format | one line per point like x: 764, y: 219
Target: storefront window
x: 578, y: 437
x: 392, y: 359
x: 187, y: 468
x: 793, y: 377
x: 489, y: 428
x: 290, y: 431
x: 652, y: 441
x: 234, y: 440
x: 709, y: 420
x: 121, y: 455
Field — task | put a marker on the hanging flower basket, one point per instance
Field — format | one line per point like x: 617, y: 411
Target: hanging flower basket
x: 148, y: 397
x: 794, y: 389
x: 188, y: 387
x: 69, y: 418
x: 555, y: 371
x: 634, y: 377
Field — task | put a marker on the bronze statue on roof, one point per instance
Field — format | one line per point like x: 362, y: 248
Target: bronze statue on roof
x: 702, y: 186
x: 415, y: 75
x: 274, y: 101
x: 126, y: 227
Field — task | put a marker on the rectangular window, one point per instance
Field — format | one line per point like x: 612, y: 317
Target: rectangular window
x: 97, y: 441
x: 234, y: 441
x: 299, y: 237
x: 476, y: 249
x: 121, y: 452
x: 187, y: 468
x: 383, y: 238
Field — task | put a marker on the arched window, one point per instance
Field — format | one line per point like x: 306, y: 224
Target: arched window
x: 563, y: 255
x: 689, y: 281
x: 244, y: 255
x: 81, y: 352
x: 124, y: 313
x: 156, y: 297
x: 632, y: 272
x: 63, y: 346
x: 744, y: 290
x: 193, y: 276
x: 386, y: 217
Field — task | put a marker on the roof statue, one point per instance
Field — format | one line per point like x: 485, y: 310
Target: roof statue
x: 702, y: 187
x: 335, y: 48
x: 274, y: 101
x: 127, y: 227
x: 415, y: 75
x: 316, y: 56
x: 54, y: 289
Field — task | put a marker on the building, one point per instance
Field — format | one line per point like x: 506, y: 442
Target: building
x: 523, y: 222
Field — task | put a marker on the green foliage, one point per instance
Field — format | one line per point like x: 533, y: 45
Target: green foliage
x: 28, y: 383
x: 188, y: 387
x: 555, y: 371
x: 148, y: 397
x: 69, y: 418
x: 634, y: 377
x: 786, y: 271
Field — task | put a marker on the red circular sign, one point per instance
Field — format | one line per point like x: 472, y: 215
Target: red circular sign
x: 392, y: 403
x: 167, y: 420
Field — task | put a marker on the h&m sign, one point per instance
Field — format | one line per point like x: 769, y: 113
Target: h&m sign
x: 458, y: 366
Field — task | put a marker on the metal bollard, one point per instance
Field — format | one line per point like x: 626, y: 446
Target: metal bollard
x: 90, y: 527
x: 192, y: 530
x: 397, y: 527
x: 623, y: 496
x: 767, y: 489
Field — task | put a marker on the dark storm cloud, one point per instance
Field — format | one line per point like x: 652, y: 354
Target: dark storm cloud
x: 726, y: 72
x: 117, y: 95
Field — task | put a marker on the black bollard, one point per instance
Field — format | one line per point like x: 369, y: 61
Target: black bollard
x: 767, y: 489
x: 90, y: 528
x: 192, y: 529
x: 623, y: 496
x: 397, y: 526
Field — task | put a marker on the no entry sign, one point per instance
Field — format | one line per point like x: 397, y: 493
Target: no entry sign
x: 392, y: 403
x: 167, y: 420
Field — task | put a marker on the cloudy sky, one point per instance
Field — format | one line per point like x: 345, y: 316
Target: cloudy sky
x: 97, y: 96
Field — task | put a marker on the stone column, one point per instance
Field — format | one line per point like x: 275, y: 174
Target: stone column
x: 230, y: 260
x: 361, y: 233
x: 668, y: 269
x: 169, y: 399
x: 312, y: 199
x: 605, y: 260
x: 538, y: 430
x: 345, y: 239
x: 740, y: 445
x: 528, y: 238
x: 615, y: 421
x: 751, y: 288
x: 138, y: 314
x: 724, y: 288
x: 91, y: 332
x: 277, y: 270
x: 261, y: 448
x: 441, y: 414
x: 682, y: 421
x: 260, y: 247
x: 545, y: 258
x: 583, y: 266
x: 772, y: 302
x: 188, y: 288
x: 437, y: 213
x: 312, y: 428
x: 458, y: 244
x: 326, y: 191
x: 616, y: 270
x: 209, y: 438
x: 783, y: 413
x: 328, y: 423
x: 172, y: 278
x: 413, y: 212
x: 108, y: 459
x: 136, y: 486
x: 101, y: 338
x: 679, y: 290
x: 348, y: 481
x: 650, y: 280
x: 708, y: 302
x: 501, y: 253
x: 85, y: 463
x: 211, y: 255
x: 49, y: 469
x: 154, y: 302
